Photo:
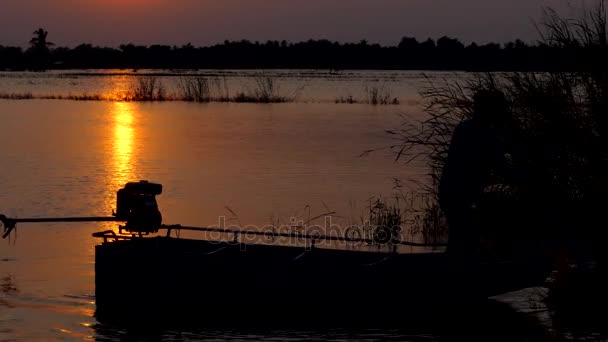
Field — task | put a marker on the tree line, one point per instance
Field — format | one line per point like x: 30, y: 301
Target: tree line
x: 445, y: 53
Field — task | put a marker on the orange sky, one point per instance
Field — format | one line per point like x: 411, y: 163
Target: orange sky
x: 203, y: 22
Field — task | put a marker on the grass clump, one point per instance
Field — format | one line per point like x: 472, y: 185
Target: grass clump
x: 265, y: 90
x: 16, y: 96
x: 194, y: 89
x: 346, y: 99
x: 385, y: 219
x: 379, y: 95
x: 149, y: 88
x: 373, y: 95
x: 408, y: 217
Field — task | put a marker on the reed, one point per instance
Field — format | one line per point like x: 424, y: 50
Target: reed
x: 17, y: 96
x: 346, y: 99
x: 194, y: 89
x: 149, y: 88
x: 265, y: 90
x: 414, y: 216
x: 221, y: 88
x: 385, y: 219
x: 373, y: 95
x: 379, y: 95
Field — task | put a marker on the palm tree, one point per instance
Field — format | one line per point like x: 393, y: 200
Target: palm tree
x: 39, y: 49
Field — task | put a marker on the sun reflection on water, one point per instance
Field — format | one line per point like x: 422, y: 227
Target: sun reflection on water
x: 121, y: 165
x: 124, y: 136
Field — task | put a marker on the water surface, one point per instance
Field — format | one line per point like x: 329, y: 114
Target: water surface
x: 253, y: 164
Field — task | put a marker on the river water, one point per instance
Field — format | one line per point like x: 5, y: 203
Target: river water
x: 249, y: 164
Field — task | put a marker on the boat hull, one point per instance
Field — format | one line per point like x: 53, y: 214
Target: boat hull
x: 163, y: 278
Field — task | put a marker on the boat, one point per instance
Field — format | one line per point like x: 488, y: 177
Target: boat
x: 144, y: 276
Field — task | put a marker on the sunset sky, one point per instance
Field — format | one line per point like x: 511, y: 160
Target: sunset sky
x: 204, y: 22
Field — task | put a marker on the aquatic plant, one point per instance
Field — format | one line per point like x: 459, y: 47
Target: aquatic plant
x: 265, y: 90
x: 385, y: 220
x: 379, y: 95
x: 16, y: 96
x: 194, y: 89
x: 373, y: 95
x: 149, y: 88
x: 222, y: 89
x: 346, y: 99
x: 403, y: 216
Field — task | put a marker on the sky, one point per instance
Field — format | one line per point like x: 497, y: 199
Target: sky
x: 207, y: 22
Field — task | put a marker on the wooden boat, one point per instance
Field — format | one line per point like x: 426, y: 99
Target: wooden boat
x: 149, y: 278
x: 144, y: 277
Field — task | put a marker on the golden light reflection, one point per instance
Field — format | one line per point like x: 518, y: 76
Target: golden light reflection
x: 121, y: 88
x: 122, y: 146
x: 120, y: 164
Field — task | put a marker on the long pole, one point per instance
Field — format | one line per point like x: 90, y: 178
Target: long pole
x: 273, y: 234
x: 65, y: 219
x: 9, y: 223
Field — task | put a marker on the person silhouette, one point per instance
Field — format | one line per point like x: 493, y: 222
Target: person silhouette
x: 477, y: 158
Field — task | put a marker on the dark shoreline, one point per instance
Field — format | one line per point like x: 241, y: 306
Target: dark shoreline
x: 444, y: 54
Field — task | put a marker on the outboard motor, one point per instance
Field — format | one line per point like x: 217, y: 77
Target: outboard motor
x: 136, y: 204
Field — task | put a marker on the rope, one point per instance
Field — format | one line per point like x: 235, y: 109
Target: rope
x: 377, y: 262
x: 300, y: 256
x: 215, y: 251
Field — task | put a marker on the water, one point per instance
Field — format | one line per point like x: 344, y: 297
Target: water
x: 304, y: 85
x: 253, y: 164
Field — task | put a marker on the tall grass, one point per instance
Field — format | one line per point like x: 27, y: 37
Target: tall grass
x: 194, y: 89
x: 385, y: 219
x: 379, y: 95
x: 346, y: 99
x: 17, y: 96
x: 265, y: 90
x: 221, y: 88
x: 149, y: 88
x: 30, y: 96
x: 373, y: 95
x: 406, y: 216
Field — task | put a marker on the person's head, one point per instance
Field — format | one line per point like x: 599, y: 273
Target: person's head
x: 491, y: 107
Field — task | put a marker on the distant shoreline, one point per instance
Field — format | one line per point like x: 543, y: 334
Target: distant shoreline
x: 445, y: 54
x: 230, y: 72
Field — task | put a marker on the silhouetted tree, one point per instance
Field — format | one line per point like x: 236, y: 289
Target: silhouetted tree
x: 408, y: 43
x: 410, y: 54
x: 428, y: 44
x: 39, y: 50
x: 449, y: 44
x: 11, y: 58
